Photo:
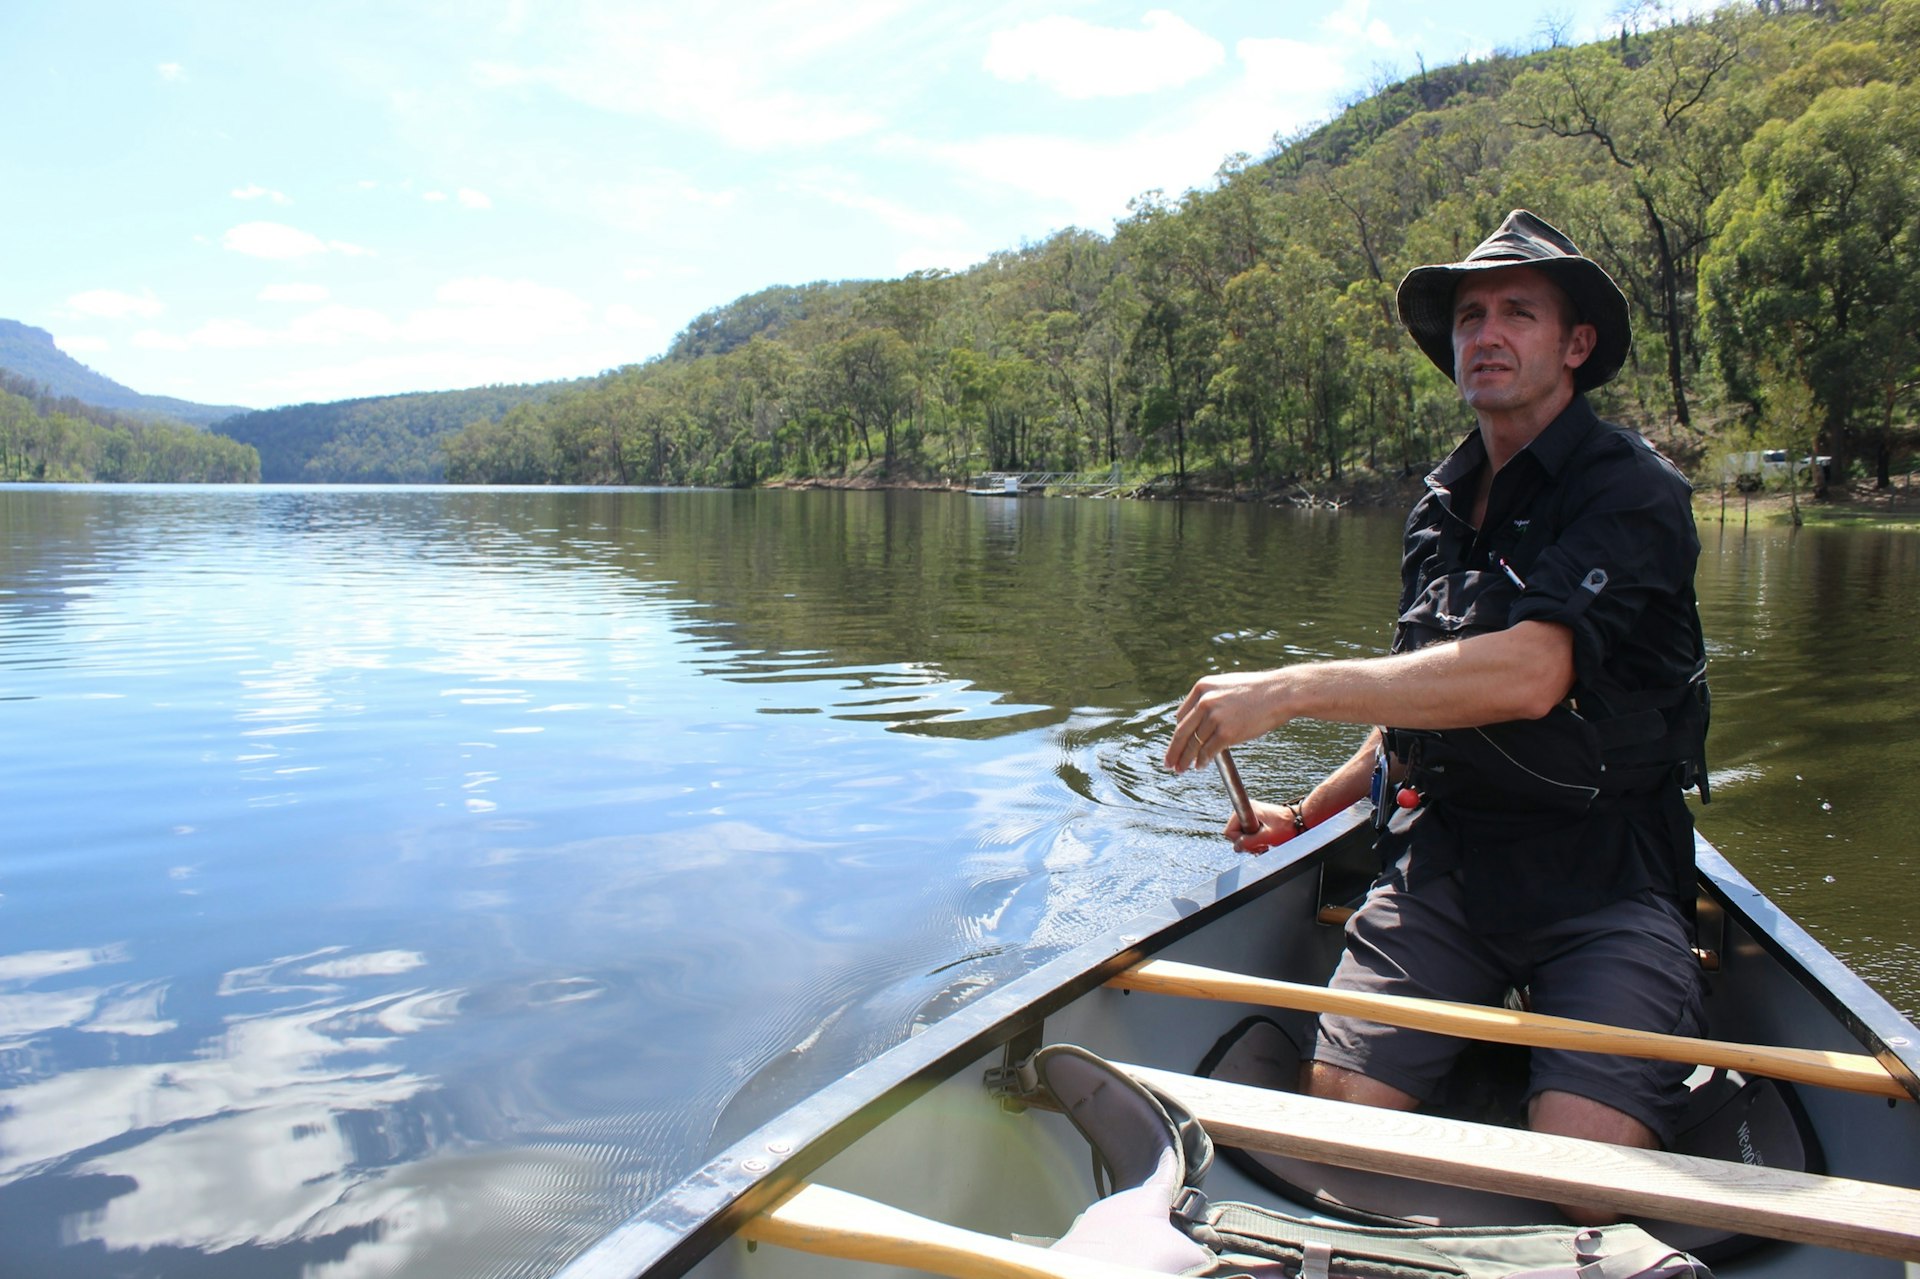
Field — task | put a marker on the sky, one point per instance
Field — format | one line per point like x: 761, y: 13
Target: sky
x: 248, y: 203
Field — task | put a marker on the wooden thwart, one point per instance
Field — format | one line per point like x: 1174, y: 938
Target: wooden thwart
x: 1852, y: 1072
x: 833, y: 1223
x: 1834, y: 1212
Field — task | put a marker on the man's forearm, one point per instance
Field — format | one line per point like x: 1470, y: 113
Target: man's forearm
x: 1518, y: 673
x: 1344, y: 786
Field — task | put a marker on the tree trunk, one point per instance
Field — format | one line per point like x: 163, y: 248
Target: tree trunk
x: 1670, y: 310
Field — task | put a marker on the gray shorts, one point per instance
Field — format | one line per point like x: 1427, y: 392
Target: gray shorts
x: 1628, y: 964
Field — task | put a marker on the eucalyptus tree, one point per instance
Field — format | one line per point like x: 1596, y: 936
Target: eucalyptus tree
x: 1819, y: 262
x: 1655, y: 105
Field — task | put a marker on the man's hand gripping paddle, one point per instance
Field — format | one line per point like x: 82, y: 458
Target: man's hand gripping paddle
x: 1237, y: 792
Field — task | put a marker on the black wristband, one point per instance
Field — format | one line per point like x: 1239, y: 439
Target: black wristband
x: 1299, y: 807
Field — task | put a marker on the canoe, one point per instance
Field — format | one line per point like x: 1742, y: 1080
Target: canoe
x: 917, y: 1160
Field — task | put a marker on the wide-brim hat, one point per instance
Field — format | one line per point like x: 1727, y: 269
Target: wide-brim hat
x: 1426, y: 295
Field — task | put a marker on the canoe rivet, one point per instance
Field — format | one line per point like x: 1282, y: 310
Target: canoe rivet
x: 755, y: 1165
x: 1898, y: 1041
x: 779, y: 1148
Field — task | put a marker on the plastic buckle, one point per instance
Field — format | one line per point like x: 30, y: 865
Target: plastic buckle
x: 1189, y: 1205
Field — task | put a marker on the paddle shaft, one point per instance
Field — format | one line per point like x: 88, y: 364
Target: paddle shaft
x: 1237, y: 793
x: 1852, y: 1072
x: 833, y: 1223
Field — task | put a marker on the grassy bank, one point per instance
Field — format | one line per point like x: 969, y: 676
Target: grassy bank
x: 1862, y: 505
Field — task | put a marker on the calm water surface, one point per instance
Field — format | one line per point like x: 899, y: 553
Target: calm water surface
x: 415, y: 881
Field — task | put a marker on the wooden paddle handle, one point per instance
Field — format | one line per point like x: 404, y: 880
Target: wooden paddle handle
x: 833, y: 1223
x: 1852, y: 1072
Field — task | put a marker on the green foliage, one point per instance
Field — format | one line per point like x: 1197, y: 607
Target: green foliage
x: 1748, y: 176
x: 1744, y: 175
x: 44, y: 437
x: 1818, y: 263
x: 768, y: 313
x: 392, y: 439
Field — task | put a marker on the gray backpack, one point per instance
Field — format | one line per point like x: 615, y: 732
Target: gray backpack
x: 1152, y: 1155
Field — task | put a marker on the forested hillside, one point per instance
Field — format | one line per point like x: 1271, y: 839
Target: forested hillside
x: 49, y: 437
x: 389, y: 439
x: 1750, y: 178
x: 29, y: 353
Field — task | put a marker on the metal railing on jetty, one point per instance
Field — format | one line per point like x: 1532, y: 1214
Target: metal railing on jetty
x: 1032, y: 483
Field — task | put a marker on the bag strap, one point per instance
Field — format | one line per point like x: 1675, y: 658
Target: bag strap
x: 1126, y: 1123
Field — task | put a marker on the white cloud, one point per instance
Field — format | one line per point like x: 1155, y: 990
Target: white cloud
x: 1090, y: 182
x: 328, y: 326
x: 280, y: 241
x: 705, y: 91
x: 1283, y: 73
x: 381, y: 963
x: 467, y: 197
x: 474, y: 311
x: 753, y: 80
x: 33, y: 965
x: 171, y: 71
x: 80, y: 344
x: 621, y: 315
x: 486, y: 311
x: 1281, y: 84
x: 295, y: 293
x: 1078, y: 59
x: 254, y: 191
x: 398, y: 373
x: 112, y: 304
x: 647, y: 269
x: 1350, y: 21
x: 645, y: 200
x: 843, y: 190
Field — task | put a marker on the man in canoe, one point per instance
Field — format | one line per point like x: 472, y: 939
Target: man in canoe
x: 1540, y: 715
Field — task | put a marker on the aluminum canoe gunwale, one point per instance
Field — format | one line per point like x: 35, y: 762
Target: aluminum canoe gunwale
x: 674, y: 1232
x: 1866, y: 1015
x: 671, y: 1234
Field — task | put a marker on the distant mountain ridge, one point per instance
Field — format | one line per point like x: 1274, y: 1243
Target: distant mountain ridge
x: 382, y: 439
x: 400, y: 439
x: 31, y: 353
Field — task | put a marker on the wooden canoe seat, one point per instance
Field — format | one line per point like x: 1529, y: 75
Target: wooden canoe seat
x: 1853, y: 1072
x: 1834, y: 1212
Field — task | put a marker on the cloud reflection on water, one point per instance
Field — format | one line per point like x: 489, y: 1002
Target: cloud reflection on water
x: 275, y: 1132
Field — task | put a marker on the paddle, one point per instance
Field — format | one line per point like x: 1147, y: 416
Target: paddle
x: 833, y: 1223
x: 1854, y: 1073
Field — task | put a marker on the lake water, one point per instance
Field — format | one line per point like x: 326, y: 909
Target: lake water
x: 413, y: 881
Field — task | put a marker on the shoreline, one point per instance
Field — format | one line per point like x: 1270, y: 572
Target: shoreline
x: 1861, y: 506
x: 1897, y: 507
x: 1372, y: 491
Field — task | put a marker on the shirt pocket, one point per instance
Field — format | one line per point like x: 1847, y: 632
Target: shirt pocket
x: 1455, y: 605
